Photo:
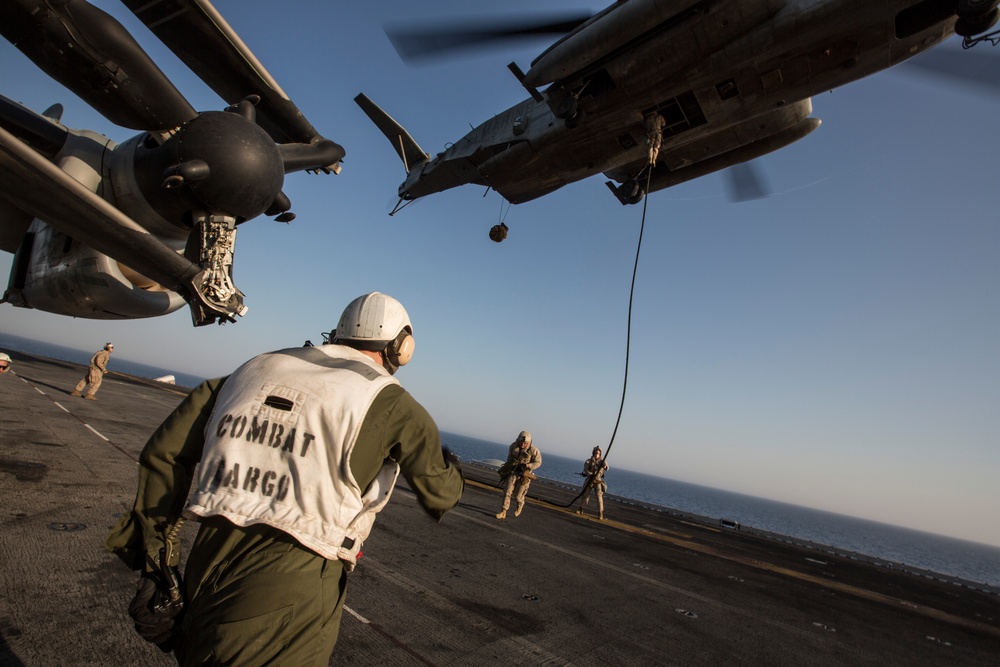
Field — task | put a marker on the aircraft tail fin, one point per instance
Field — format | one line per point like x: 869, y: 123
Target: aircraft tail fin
x: 409, y: 152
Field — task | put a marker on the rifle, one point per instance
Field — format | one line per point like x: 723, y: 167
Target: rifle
x: 593, y: 477
x: 513, y: 468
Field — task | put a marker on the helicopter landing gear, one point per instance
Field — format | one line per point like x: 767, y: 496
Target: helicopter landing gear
x: 628, y: 193
x: 576, y: 119
x: 570, y: 112
x: 975, y: 17
x: 567, y: 108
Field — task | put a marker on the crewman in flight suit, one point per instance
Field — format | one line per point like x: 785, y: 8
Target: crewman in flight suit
x: 290, y: 458
x: 523, y: 458
x: 95, y: 374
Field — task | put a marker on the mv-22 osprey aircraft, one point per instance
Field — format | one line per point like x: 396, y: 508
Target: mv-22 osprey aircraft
x: 712, y: 83
x: 137, y: 229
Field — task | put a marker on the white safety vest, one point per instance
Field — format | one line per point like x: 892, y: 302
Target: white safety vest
x: 278, y: 447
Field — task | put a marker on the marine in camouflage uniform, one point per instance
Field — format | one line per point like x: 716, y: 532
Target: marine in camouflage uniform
x: 594, y: 469
x: 523, y: 458
x: 95, y: 374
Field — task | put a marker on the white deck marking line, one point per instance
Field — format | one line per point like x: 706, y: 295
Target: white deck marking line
x: 357, y: 615
x: 77, y: 417
x: 382, y: 631
x: 95, y: 432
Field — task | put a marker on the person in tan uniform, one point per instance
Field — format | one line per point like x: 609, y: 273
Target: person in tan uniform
x: 594, y: 469
x: 523, y: 459
x: 95, y: 374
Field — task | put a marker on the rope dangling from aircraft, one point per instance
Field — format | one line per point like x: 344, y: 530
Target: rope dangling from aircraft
x: 654, y: 138
x: 628, y: 326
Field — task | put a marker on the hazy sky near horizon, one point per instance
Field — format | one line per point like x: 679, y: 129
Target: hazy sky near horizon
x: 834, y: 346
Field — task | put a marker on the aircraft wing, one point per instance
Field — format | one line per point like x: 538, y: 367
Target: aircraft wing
x: 89, y: 52
x: 43, y: 136
x: 198, y: 34
x: 47, y: 192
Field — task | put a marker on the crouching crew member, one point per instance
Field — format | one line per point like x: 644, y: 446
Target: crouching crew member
x: 523, y: 459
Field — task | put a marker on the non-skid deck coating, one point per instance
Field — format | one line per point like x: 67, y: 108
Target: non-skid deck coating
x: 546, y: 588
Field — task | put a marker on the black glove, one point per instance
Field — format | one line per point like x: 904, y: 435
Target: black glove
x: 451, y: 458
x: 154, y: 612
x: 520, y: 468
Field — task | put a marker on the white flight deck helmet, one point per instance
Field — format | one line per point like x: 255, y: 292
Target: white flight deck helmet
x: 378, y: 323
x: 5, y: 362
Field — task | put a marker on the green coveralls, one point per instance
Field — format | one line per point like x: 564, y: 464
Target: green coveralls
x: 254, y: 595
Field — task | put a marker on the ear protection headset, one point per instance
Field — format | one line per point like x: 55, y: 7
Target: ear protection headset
x: 400, y: 350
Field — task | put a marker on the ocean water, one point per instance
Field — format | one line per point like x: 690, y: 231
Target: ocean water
x: 10, y: 342
x: 932, y: 555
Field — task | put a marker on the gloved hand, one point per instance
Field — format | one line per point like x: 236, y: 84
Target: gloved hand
x: 153, y: 612
x: 520, y: 468
x: 451, y: 458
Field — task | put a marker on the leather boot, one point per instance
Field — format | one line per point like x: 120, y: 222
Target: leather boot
x: 502, y: 514
x: 517, y: 512
x: 75, y: 393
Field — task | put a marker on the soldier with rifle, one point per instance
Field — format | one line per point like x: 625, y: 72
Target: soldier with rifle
x: 522, y: 459
x: 594, y: 469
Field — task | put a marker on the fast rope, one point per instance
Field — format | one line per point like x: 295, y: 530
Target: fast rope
x: 628, y: 339
x: 628, y: 326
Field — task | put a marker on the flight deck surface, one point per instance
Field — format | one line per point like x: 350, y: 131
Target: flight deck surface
x: 549, y: 587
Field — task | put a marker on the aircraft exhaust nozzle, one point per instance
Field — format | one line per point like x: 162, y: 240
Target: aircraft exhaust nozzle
x: 409, y: 152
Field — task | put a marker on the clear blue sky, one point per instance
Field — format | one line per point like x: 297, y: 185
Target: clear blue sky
x: 834, y: 346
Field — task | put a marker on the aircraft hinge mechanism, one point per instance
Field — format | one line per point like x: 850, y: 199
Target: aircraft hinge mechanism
x: 212, y: 246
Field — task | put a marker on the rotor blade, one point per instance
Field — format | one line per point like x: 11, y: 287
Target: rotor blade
x: 413, y: 44
x: 50, y: 194
x: 746, y: 182
x: 92, y: 54
x: 37, y: 131
x: 196, y: 32
x: 972, y: 69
